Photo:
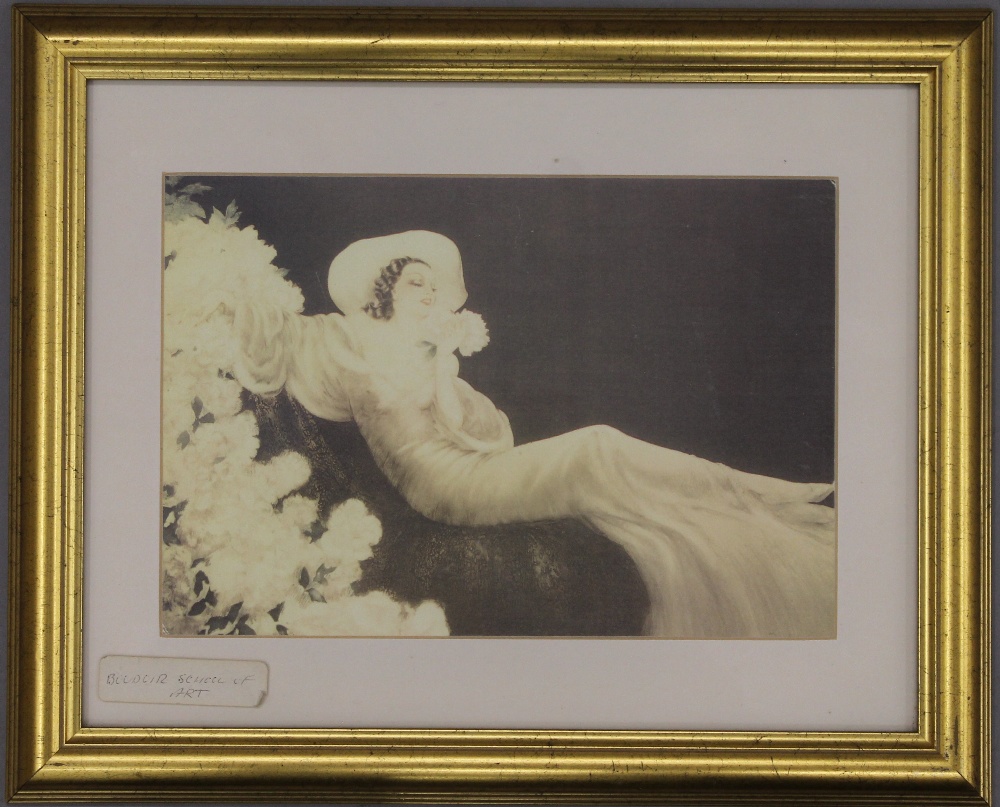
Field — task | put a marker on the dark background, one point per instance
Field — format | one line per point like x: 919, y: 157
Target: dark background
x: 694, y: 313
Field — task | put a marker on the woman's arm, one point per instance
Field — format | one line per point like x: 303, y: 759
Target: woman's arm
x: 471, y: 418
x: 449, y: 405
x: 266, y: 338
x: 311, y: 356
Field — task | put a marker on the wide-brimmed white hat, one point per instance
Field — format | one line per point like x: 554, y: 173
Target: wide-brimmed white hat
x: 354, y: 271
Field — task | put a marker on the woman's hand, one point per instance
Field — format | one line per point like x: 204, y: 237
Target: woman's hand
x: 446, y: 334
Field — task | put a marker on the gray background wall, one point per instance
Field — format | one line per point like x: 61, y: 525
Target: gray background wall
x: 5, y: 88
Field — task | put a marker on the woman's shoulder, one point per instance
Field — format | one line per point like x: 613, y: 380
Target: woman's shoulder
x: 329, y: 327
x: 328, y: 339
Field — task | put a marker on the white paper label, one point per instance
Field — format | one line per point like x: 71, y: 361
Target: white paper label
x: 192, y: 682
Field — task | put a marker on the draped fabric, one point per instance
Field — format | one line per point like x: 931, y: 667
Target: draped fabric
x: 722, y: 553
x: 543, y: 578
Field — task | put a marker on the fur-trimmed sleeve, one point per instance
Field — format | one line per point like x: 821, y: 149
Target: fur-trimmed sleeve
x: 312, y: 357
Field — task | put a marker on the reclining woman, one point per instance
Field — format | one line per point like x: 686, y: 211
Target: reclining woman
x: 722, y: 553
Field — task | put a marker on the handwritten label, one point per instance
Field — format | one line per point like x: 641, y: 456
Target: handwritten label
x: 187, y: 681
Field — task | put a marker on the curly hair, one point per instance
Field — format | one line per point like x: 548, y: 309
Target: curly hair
x: 381, y: 306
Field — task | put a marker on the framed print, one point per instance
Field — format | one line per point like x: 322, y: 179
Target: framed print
x: 600, y: 417
x: 288, y: 364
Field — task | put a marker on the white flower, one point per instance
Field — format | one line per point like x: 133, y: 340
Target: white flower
x: 351, y: 529
x: 216, y: 264
x: 259, y: 575
x: 246, y: 537
x: 426, y: 619
x: 299, y: 511
x: 178, y: 576
x: 475, y: 335
x: 373, y: 614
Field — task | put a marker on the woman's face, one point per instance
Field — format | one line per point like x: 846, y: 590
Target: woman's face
x: 415, y: 293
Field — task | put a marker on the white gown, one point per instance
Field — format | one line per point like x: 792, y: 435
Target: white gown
x: 723, y: 554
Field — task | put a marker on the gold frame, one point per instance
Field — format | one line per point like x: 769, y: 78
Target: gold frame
x: 58, y: 49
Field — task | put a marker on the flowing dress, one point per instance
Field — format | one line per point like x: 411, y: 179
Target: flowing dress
x: 723, y: 554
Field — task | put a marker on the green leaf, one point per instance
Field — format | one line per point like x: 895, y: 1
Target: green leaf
x: 197, y: 406
x: 216, y: 623
x: 193, y: 188
x: 200, y: 581
x: 235, y: 611
x: 198, y: 608
x: 232, y: 214
x: 322, y: 572
x: 208, y: 417
x: 212, y: 598
x: 315, y: 596
x: 183, y: 439
x: 275, y: 612
x: 281, y: 629
x: 168, y: 491
x: 181, y: 207
x: 315, y: 531
x: 304, y: 578
x: 170, y: 536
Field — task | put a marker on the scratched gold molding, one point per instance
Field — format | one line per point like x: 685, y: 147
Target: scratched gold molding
x: 59, y: 49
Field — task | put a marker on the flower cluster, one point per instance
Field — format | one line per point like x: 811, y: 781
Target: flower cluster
x: 474, y: 336
x: 243, y: 553
x: 465, y: 332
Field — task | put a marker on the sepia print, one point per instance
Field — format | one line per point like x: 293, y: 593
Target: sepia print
x: 499, y: 406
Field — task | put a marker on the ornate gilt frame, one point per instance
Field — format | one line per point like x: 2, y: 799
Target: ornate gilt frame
x: 59, y: 49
